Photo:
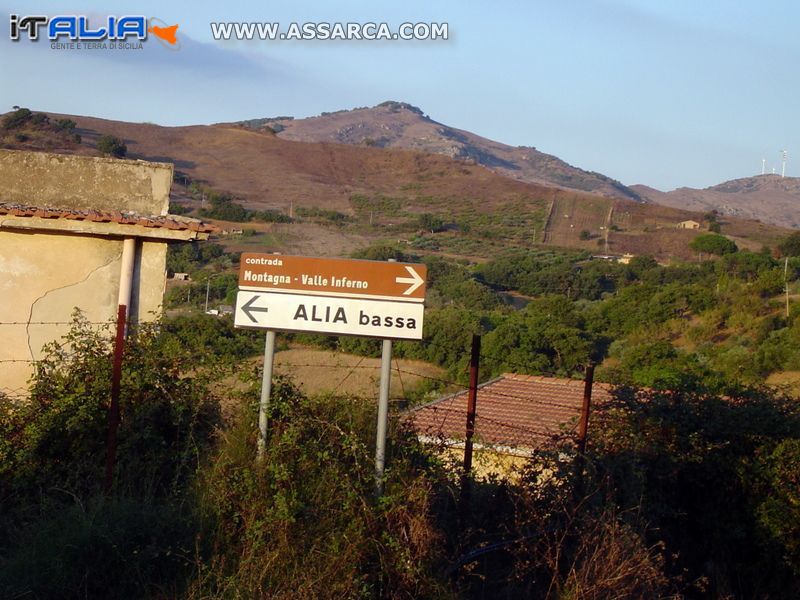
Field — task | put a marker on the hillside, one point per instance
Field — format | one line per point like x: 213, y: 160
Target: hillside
x: 351, y: 196
x: 769, y: 198
x: 400, y: 125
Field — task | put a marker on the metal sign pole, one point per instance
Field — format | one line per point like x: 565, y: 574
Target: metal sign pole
x: 266, y: 389
x: 383, y: 415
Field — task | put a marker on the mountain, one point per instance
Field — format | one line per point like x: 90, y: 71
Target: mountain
x: 768, y: 198
x: 348, y: 196
x: 401, y: 125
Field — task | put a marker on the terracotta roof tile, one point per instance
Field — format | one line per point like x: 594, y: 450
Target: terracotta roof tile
x: 167, y: 221
x: 519, y: 411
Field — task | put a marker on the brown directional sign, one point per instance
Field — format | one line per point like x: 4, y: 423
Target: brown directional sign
x: 395, y: 281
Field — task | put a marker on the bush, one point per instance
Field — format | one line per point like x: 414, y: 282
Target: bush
x: 17, y: 118
x: 270, y: 216
x: 111, y: 145
x: 66, y: 124
x: 311, y: 495
x: 60, y: 537
x: 430, y: 223
x: 707, y: 474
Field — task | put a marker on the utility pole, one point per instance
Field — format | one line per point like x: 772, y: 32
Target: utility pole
x: 208, y: 287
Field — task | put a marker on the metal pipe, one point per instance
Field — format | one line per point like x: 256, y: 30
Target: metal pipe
x: 383, y: 415
x: 266, y: 390
x: 126, y: 274
x: 127, y: 263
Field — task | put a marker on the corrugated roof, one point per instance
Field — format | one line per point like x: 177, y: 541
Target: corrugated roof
x: 517, y: 411
x: 172, y: 222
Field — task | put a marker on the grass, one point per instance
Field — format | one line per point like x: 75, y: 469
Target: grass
x: 788, y: 379
x: 322, y: 371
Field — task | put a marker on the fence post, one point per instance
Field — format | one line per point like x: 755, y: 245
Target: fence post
x: 583, y: 428
x: 472, y: 400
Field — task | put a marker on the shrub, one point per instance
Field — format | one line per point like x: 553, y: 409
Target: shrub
x: 60, y: 537
x: 111, y: 145
x: 17, y: 118
x: 311, y: 495
x: 66, y: 124
x: 431, y: 223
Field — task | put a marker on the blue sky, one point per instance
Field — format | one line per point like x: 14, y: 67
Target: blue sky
x: 662, y: 93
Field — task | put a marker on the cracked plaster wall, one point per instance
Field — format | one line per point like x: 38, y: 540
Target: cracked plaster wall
x: 44, y: 276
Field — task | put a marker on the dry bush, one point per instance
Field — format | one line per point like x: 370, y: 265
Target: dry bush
x: 611, y: 560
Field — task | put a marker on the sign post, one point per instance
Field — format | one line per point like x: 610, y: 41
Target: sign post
x: 266, y: 390
x: 383, y: 415
x: 333, y: 296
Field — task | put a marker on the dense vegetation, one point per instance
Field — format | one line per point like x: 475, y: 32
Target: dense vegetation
x: 690, y: 487
x: 684, y: 494
x: 23, y: 125
x: 224, y: 207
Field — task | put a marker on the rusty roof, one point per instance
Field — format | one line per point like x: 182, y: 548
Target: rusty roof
x: 515, y: 411
x: 172, y: 222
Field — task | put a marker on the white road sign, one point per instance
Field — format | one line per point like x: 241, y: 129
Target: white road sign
x: 334, y: 315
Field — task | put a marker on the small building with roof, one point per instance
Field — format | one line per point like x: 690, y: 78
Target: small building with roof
x: 515, y: 416
x: 79, y: 232
x: 688, y: 225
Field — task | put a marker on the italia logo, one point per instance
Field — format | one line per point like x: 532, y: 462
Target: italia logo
x: 77, y: 28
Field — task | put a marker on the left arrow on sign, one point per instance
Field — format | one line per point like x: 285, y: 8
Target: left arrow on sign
x: 249, y: 309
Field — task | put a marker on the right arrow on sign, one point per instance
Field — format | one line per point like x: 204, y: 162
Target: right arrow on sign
x: 249, y: 309
x: 414, y: 281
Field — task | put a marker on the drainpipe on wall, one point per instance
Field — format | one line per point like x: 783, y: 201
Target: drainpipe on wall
x: 123, y: 310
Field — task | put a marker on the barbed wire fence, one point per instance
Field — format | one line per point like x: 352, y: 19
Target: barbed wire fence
x: 407, y: 378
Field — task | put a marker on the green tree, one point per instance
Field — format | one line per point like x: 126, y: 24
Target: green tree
x: 111, y: 145
x: 430, y: 222
x: 791, y: 245
x: 713, y: 243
